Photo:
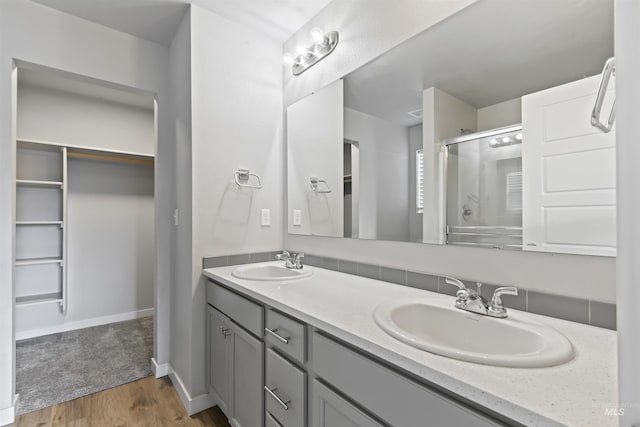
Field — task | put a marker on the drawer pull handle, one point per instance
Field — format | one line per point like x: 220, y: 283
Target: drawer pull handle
x: 282, y: 403
x: 274, y: 333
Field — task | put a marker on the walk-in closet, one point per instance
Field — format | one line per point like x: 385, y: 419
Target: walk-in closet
x: 84, y: 236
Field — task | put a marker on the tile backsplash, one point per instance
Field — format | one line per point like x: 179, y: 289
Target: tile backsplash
x: 579, y: 310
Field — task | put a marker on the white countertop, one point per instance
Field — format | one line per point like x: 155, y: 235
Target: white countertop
x: 573, y: 394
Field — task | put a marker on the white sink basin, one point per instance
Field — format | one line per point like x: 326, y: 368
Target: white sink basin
x: 435, y: 325
x: 270, y: 272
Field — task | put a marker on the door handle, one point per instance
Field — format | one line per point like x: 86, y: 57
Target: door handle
x: 607, y: 72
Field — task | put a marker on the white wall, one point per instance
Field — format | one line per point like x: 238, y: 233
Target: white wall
x: 368, y: 29
x: 236, y: 122
x: 40, y: 35
x: 628, y: 203
x: 384, y: 181
x: 315, y: 149
x: 499, y: 115
x: 58, y: 116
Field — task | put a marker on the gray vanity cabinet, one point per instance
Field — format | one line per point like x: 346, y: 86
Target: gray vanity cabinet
x: 218, y: 330
x: 246, y: 378
x: 269, y: 369
x: 235, y: 356
x: 387, y: 394
x: 330, y: 410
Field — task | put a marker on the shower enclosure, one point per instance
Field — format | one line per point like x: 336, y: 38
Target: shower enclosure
x: 483, y: 189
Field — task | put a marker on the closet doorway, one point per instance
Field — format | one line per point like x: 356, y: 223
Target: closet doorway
x: 84, y: 237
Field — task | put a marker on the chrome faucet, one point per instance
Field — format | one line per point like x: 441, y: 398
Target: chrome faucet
x: 471, y: 300
x: 291, y: 261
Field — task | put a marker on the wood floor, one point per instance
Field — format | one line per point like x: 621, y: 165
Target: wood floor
x: 146, y: 402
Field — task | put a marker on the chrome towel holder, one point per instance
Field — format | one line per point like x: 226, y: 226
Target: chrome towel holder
x: 608, y: 71
x: 242, y: 178
x: 315, y: 182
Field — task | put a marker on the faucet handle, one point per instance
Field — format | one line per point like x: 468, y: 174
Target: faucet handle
x: 453, y: 281
x: 496, y: 309
x: 298, y: 256
x: 463, y: 293
x: 283, y: 256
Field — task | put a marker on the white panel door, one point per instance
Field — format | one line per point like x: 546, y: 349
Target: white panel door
x: 569, y: 172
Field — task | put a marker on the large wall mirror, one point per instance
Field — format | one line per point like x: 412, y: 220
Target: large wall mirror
x: 475, y: 132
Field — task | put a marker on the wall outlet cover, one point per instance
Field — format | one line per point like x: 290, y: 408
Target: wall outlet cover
x: 265, y: 217
x: 297, y: 217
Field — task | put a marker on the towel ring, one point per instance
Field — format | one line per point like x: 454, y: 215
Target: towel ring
x: 314, y: 182
x: 243, y: 177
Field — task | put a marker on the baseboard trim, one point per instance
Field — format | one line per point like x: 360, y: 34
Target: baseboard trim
x: 81, y: 324
x: 192, y: 405
x: 159, y: 370
x: 8, y: 415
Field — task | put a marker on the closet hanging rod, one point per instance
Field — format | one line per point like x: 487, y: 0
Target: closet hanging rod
x: 110, y: 158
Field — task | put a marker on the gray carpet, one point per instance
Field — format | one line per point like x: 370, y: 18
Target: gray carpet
x: 61, y: 367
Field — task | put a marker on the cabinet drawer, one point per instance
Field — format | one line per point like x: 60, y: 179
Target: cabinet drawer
x: 286, y: 334
x: 246, y: 313
x: 374, y: 386
x: 285, y: 391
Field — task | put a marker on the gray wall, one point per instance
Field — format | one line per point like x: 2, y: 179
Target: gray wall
x: 181, y: 298
x: 363, y: 38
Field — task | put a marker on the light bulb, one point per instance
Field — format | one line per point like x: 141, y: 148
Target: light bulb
x: 506, y: 139
x: 301, y: 50
x: 519, y: 137
x: 317, y: 35
x: 288, y: 59
x: 493, y: 142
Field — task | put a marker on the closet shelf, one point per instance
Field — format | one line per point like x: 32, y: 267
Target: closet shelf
x: 34, y: 183
x: 78, y: 149
x: 39, y: 223
x: 38, y: 261
x: 39, y: 299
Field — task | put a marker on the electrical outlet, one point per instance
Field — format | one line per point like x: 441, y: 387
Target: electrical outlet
x: 297, y: 217
x: 265, y: 217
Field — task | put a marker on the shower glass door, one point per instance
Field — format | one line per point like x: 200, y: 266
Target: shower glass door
x: 484, y: 189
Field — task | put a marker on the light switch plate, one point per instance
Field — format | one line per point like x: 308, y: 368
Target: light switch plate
x: 265, y: 217
x: 297, y: 217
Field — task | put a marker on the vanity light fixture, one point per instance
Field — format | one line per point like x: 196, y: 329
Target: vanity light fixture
x: 306, y: 56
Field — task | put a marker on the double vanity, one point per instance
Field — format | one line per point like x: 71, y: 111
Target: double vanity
x: 309, y: 346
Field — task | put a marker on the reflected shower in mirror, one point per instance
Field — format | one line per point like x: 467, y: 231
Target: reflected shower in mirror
x: 529, y: 63
x: 483, y: 189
